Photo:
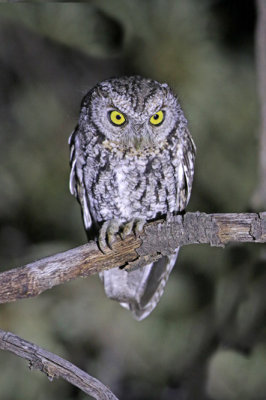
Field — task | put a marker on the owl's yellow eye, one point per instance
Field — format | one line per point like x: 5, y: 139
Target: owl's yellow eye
x: 157, y: 118
x: 117, y: 118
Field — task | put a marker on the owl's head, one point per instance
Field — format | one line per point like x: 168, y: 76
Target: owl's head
x: 133, y: 112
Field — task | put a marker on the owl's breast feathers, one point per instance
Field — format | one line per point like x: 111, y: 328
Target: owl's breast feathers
x: 128, y: 183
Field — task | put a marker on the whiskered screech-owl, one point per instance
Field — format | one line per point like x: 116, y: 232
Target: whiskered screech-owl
x: 132, y: 160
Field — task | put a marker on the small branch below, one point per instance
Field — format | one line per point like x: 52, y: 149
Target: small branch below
x: 158, y: 238
x: 54, y: 366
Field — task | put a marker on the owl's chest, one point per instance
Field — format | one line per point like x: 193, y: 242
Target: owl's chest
x: 134, y: 186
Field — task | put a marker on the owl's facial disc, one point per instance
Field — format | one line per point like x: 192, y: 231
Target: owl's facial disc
x: 134, y: 113
x: 134, y: 130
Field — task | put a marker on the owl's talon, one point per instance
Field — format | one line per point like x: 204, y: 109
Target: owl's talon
x: 102, y: 237
x: 110, y: 240
x: 107, y: 234
x: 127, y: 229
x: 135, y: 225
x: 140, y: 222
x: 111, y: 228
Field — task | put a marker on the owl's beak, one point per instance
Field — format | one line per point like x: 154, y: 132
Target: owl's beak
x: 137, y: 136
x: 138, y: 128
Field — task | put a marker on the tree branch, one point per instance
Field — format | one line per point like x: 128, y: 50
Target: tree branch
x: 54, y: 366
x: 158, y: 238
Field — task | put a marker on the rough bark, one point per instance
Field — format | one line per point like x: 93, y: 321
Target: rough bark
x: 158, y: 238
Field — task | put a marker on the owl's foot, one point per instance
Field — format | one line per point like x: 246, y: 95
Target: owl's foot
x: 107, y: 234
x: 135, y: 225
x: 114, y: 226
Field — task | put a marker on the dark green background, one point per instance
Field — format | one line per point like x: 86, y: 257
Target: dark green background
x: 206, y: 339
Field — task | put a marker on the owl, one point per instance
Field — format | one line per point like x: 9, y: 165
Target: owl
x: 132, y: 161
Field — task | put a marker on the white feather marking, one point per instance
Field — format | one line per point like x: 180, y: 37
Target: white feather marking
x: 72, y: 180
x: 86, y: 213
x: 180, y: 173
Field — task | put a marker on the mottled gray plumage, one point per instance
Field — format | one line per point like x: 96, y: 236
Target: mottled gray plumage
x: 130, y: 172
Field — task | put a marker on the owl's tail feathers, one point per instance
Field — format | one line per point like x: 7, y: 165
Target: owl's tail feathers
x: 139, y: 290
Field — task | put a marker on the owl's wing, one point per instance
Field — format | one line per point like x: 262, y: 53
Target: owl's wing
x: 76, y: 184
x: 139, y: 290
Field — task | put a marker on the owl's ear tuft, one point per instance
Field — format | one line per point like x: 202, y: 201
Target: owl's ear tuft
x: 101, y: 91
x: 165, y: 88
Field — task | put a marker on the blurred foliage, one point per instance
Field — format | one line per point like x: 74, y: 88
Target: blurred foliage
x: 206, y: 339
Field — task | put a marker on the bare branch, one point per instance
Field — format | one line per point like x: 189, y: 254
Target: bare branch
x: 54, y: 366
x: 158, y: 238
